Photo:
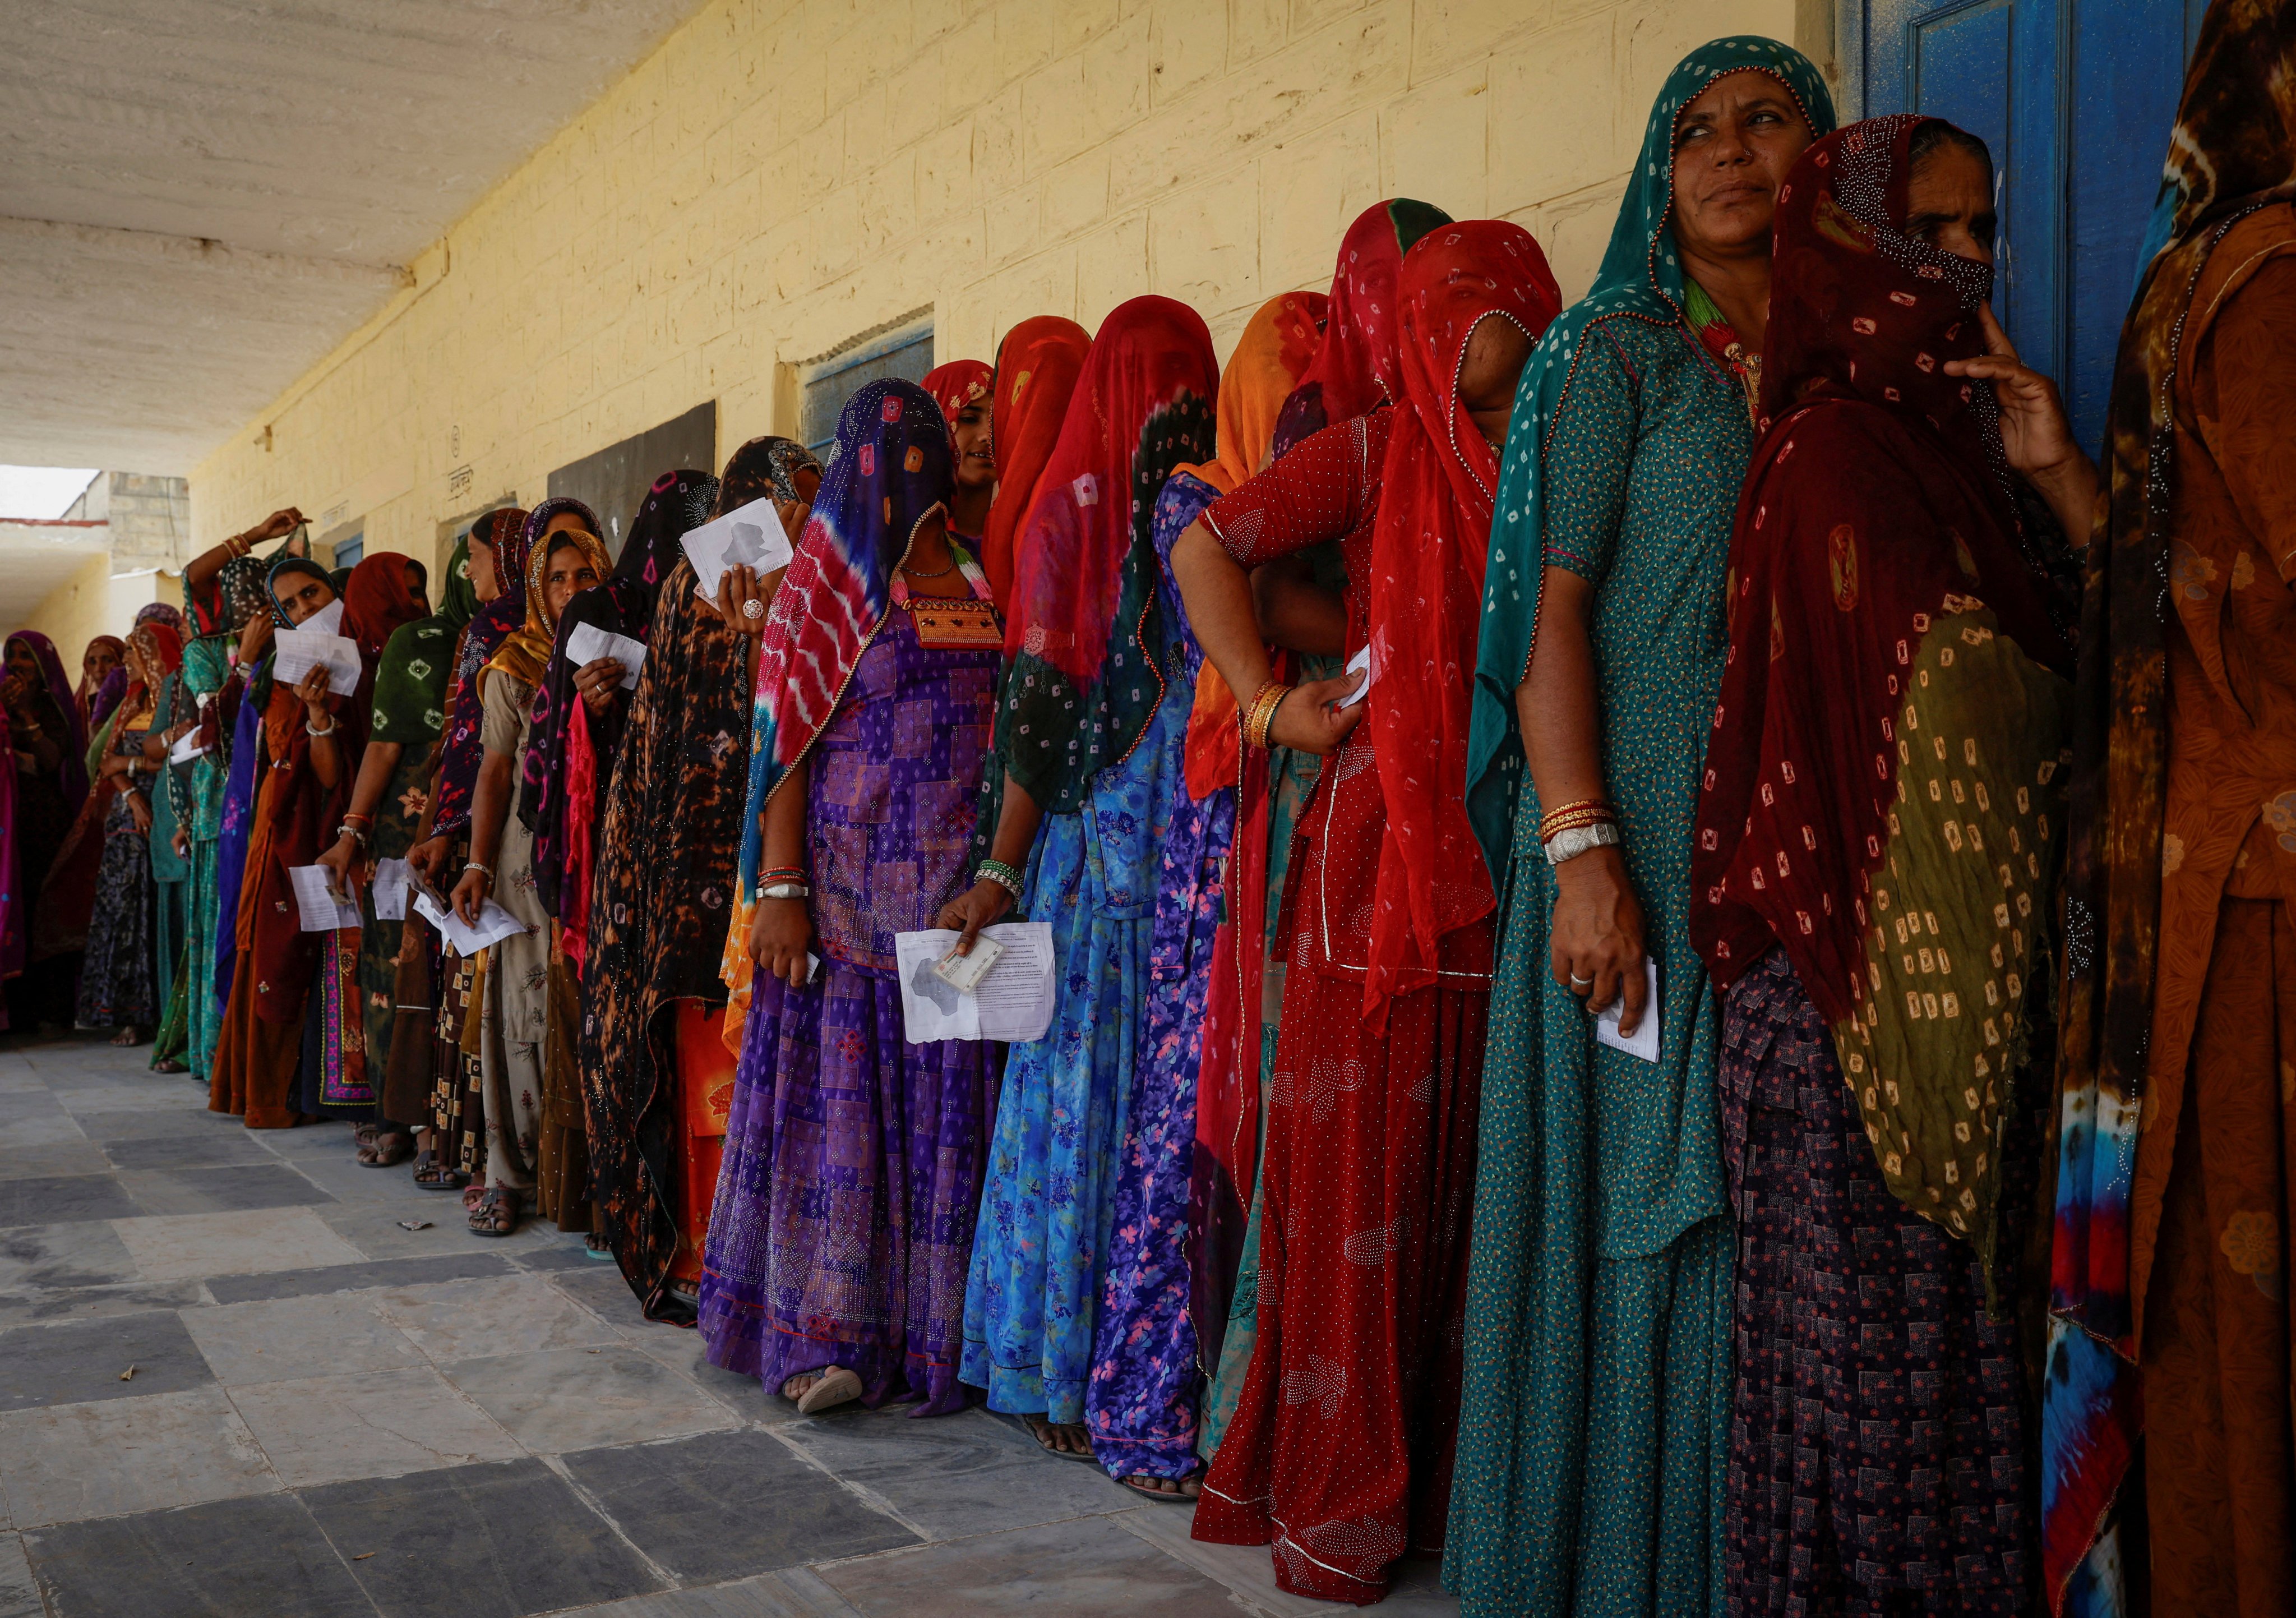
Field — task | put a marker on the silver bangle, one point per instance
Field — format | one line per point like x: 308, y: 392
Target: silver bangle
x: 1580, y: 839
x: 329, y: 731
x: 785, y: 890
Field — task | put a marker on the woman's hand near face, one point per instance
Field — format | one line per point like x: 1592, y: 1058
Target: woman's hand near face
x: 781, y: 933
x: 2036, y: 434
x: 254, y: 639
x: 597, y: 680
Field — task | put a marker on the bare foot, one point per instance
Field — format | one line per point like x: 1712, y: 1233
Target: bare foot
x: 130, y: 1035
x: 1179, y: 1488
x: 1064, y: 1438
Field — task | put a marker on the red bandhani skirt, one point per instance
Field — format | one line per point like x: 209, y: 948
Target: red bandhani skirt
x: 1339, y: 1451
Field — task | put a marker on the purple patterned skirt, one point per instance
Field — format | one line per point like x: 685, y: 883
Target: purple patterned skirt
x: 843, y: 1223
x: 1879, y: 1424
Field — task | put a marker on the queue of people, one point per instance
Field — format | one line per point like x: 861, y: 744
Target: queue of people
x: 1659, y: 909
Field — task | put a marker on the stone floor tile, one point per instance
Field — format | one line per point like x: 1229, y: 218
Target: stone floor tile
x: 518, y: 1314
x: 97, y: 1302
x: 255, y: 1557
x: 370, y: 1224
x: 685, y: 1352
x: 330, y: 1141
x: 51, y: 1160
x: 1089, y: 1565
x: 45, y: 1129
x: 148, y: 1123
x: 221, y: 1188
x: 186, y: 1149
x: 70, y: 1462
x: 64, y: 1199
x: 954, y: 1475
x: 691, y: 1506
x: 599, y: 1289
x: 367, y: 1424
x: 81, y: 1360
x: 109, y: 1096
x: 89, y: 1253
x: 289, y: 1339
x: 19, y: 1596
x: 176, y: 1247
x: 27, y: 1106
x: 496, y: 1540
x: 796, y: 1593
x: 557, y: 1400
x: 566, y: 1252
x: 353, y: 1278
x: 357, y: 1182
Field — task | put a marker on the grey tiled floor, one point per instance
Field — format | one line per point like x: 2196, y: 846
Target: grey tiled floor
x: 333, y: 1417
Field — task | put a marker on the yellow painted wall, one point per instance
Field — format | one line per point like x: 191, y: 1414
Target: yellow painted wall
x: 776, y: 178
x: 92, y: 603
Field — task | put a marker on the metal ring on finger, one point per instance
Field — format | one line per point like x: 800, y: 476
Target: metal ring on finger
x: 1578, y: 983
x: 753, y: 609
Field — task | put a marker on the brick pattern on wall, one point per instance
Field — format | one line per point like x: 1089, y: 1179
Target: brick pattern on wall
x: 777, y: 177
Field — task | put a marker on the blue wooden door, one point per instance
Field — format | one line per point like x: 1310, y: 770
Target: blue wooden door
x: 2076, y: 98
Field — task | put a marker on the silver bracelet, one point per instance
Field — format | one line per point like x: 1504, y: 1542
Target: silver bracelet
x: 785, y: 890
x: 1578, y: 840
x: 329, y: 731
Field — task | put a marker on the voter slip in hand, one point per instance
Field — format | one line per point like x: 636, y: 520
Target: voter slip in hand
x: 750, y: 538
x: 323, y: 909
x: 495, y: 925
x: 586, y: 644
x: 1012, y: 1001
x: 187, y: 747
x: 1643, y: 1041
x: 301, y: 651
x: 390, y: 880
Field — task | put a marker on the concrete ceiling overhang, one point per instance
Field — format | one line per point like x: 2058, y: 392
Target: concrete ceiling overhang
x: 199, y: 198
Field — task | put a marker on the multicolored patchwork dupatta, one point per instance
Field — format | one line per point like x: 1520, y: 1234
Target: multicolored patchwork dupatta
x: 1882, y: 790
x: 1084, y: 629
x: 1355, y: 369
x: 1426, y: 590
x: 2232, y: 150
x: 1640, y: 279
x: 889, y: 470
x: 505, y: 533
x: 1037, y: 365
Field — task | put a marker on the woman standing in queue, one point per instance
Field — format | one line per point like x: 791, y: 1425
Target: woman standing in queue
x: 837, y: 1251
x: 962, y: 390
x: 1037, y: 364
x: 565, y: 555
x: 1085, y: 729
x: 655, y: 1068
x: 1874, y: 892
x: 119, y: 974
x: 50, y: 741
x: 1339, y: 1448
x: 1594, y: 1436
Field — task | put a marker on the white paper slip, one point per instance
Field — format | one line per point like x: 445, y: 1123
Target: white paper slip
x: 750, y: 538
x: 187, y: 748
x: 1013, y: 1003
x: 588, y: 643
x: 495, y: 925
x: 391, y: 883
x: 322, y: 912
x: 301, y: 651
x: 1360, y: 663
x: 1643, y: 1041
x: 327, y: 620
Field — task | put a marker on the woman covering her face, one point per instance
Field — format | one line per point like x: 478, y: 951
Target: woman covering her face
x: 1598, y: 1318
x: 1371, y: 1140
x: 1878, y: 840
x: 656, y: 1074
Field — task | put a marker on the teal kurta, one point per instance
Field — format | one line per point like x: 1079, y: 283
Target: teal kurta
x: 207, y: 665
x: 1594, y: 1433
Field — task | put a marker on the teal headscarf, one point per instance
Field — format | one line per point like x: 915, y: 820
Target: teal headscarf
x: 1640, y: 279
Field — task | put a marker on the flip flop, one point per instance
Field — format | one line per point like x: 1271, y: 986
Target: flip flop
x: 1037, y: 1428
x: 1175, y: 1498
x: 835, y: 1386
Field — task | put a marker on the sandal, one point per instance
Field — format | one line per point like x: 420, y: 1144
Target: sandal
x: 387, y: 1150
x: 170, y: 1066
x: 1172, y: 1497
x: 1041, y: 1431
x: 362, y: 1144
x: 496, y: 1214
x: 834, y: 1386
x: 432, y: 1175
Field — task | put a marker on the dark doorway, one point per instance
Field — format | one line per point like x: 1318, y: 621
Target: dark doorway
x: 614, y: 482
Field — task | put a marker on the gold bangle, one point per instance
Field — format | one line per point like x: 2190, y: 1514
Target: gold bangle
x: 1584, y: 811
x: 1259, y: 714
